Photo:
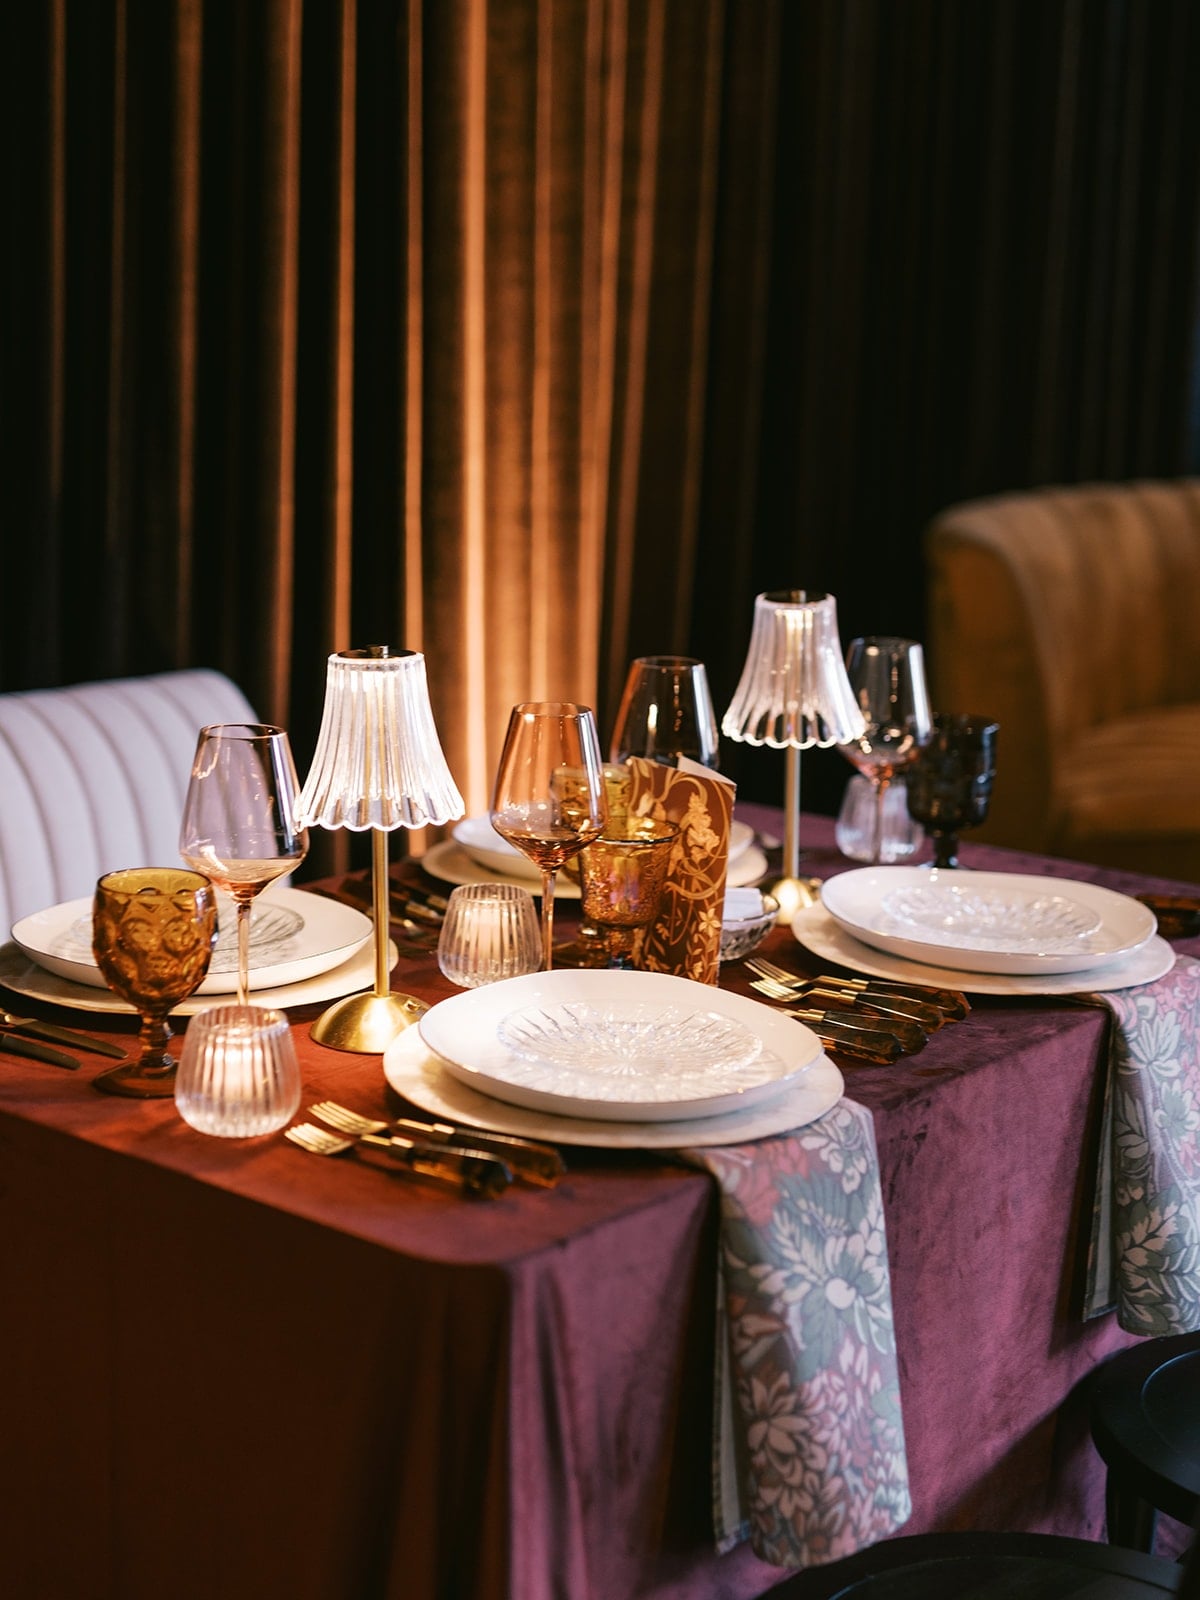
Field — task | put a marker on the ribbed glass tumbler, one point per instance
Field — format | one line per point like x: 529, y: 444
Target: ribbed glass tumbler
x: 238, y: 1076
x: 490, y: 932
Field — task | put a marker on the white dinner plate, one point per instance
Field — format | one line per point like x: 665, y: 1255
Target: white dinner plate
x: 421, y: 1076
x: 483, y: 844
x: 1002, y: 922
x: 323, y: 934
x: 25, y: 977
x: 755, y: 1053
x: 449, y: 861
x: 817, y: 931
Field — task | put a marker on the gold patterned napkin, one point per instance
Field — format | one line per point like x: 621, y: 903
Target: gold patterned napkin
x: 685, y: 937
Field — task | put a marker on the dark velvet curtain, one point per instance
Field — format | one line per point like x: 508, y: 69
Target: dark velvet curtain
x: 538, y: 334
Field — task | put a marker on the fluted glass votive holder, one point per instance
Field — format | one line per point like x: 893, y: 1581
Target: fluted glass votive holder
x: 238, y: 1075
x: 490, y: 931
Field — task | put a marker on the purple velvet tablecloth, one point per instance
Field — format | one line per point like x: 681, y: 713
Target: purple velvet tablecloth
x: 235, y: 1369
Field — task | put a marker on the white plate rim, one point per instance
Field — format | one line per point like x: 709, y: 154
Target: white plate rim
x: 419, y: 1075
x: 448, y: 861
x: 25, y: 977
x: 462, y: 1031
x: 817, y: 931
x: 331, y: 934
x: 1118, y: 912
x: 476, y: 836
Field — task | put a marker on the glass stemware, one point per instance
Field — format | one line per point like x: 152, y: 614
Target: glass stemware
x: 238, y: 822
x: 666, y: 712
x: 153, y: 932
x: 950, y: 783
x: 622, y: 878
x: 549, y: 797
x: 887, y: 677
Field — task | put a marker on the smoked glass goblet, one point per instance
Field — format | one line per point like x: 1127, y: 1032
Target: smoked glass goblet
x: 153, y: 932
x: 950, y: 782
x: 549, y: 798
x: 622, y: 879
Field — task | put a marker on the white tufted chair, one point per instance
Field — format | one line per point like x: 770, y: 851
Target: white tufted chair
x: 93, y: 778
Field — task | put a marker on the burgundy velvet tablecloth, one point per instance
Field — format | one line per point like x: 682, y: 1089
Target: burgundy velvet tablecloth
x: 232, y: 1369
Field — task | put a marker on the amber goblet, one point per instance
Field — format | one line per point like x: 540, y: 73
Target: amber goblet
x: 621, y: 885
x: 153, y: 932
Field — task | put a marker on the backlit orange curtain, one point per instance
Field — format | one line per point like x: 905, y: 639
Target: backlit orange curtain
x: 345, y: 322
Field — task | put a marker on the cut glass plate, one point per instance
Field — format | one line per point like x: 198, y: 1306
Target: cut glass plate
x: 271, y: 928
x: 992, y: 919
x: 594, y: 1046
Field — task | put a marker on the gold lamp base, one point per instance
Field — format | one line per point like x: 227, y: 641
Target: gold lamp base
x: 793, y: 895
x: 367, y: 1023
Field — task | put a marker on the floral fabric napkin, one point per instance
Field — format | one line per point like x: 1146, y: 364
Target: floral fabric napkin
x: 1144, y: 1248
x: 685, y: 937
x: 808, y: 1448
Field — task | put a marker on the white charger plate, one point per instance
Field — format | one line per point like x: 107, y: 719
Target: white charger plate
x: 328, y: 934
x: 483, y: 844
x: 449, y: 861
x: 419, y: 1075
x: 817, y: 931
x: 465, y: 1032
x: 1023, y: 923
x: 25, y: 977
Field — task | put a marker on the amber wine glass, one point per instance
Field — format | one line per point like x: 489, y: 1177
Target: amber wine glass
x: 153, y: 932
x: 549, y: 798
x: 239, y: 818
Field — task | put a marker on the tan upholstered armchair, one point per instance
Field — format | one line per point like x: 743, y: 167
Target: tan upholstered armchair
x: 1072, y: 615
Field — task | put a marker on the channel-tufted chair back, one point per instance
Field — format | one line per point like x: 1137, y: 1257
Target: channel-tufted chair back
x: 93, y: 778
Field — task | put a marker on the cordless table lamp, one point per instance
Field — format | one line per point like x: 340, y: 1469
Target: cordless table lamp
x: 793, y: 694
x: 378, y: 765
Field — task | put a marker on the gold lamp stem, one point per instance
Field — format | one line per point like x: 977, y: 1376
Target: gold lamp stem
x: 791, y: 837
x: 369, y: 1022
x: 380, y: 908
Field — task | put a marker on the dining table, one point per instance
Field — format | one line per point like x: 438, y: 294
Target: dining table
x: 234, y: 1368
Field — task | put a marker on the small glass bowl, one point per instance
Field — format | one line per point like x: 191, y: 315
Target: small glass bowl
x: 746, y: 924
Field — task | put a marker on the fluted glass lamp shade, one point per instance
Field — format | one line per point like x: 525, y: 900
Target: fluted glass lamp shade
x: 378, y: 765
x: 793, y: 694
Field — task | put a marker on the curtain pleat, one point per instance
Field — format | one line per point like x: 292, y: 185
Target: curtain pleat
x: 539, y: 334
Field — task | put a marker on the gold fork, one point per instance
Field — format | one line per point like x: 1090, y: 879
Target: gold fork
x: 469, y: 1171
x: 530, y: 1160
x: 950, y: 1005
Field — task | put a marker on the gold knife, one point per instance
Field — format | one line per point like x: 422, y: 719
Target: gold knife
x: 539, y: 1163
x: 48, y: 1030
x: 16, y: 1044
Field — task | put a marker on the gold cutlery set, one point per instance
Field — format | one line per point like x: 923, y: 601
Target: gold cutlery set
x: 415, y: 914
x: 873, y: 1020
x: 26, y: 1036
x: 472, y: 1160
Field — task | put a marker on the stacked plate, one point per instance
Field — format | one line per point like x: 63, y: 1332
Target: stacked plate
x: 303, y: 948
x: 987, y: 932
x: 477, y: 853
x: 614, y: 1058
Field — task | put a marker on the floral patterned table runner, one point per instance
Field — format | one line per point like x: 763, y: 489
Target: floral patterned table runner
x: 1144, y: 1248
x: 809, y: 1459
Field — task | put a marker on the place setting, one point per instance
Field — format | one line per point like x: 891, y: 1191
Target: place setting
x: 618, y: 1036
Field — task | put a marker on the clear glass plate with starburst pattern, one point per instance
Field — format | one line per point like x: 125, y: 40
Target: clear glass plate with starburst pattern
x: 992, y: 919
x: 618, y: 1046
x: 1000, y: 922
